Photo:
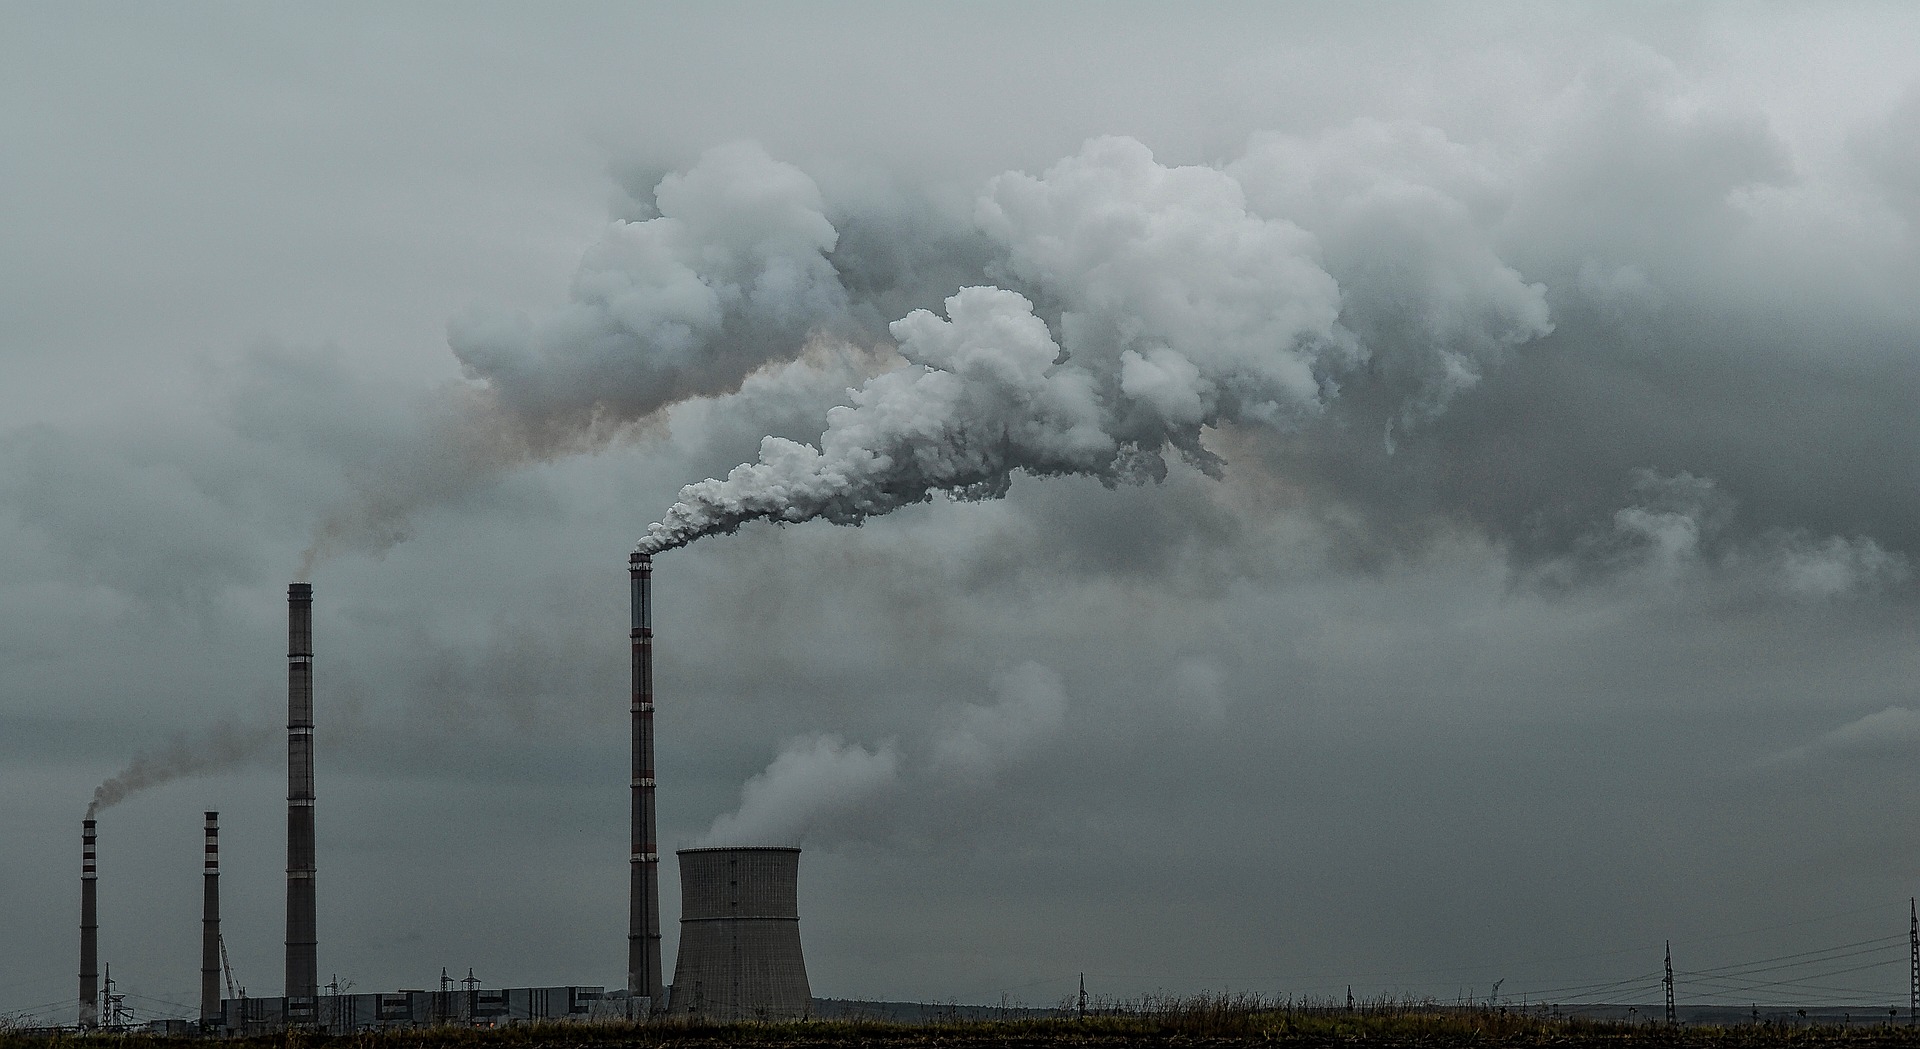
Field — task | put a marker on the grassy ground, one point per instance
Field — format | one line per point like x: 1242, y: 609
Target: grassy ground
x: 1189, y: 1022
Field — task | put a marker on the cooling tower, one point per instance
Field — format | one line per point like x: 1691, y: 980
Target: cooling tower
x: 644, y: 979
x: 740, y: 935
x: 303, y: 966
x: 210, y: 1012
x: 89, y: 933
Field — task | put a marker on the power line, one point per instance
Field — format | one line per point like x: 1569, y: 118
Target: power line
x: 1806, y: 958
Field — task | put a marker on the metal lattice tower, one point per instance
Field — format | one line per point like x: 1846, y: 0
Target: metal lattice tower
x: 1669, y: 982
x: 1913, y: 971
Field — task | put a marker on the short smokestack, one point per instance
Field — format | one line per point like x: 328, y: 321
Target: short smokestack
x: 644, y: 978
x: 210, y: 1012
x: 89, y: 932
x: 740, y: 935
x: 303, y: 965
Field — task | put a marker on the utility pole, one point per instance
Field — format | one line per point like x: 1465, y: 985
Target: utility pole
x: 1670, y: 1019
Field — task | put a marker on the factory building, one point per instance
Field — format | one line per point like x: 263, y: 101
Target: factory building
x: 739, y: 955
x: 463, y: 1007
x: 740, y: 935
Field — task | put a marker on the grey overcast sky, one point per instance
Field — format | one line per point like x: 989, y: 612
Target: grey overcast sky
x: 1419, y: 494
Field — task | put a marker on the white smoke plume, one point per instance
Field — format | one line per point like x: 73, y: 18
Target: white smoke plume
x: 814, y: 778
x: 1179, y: 308
x: 825, y: 783
x: 730, y: 274
x: 226, y: 746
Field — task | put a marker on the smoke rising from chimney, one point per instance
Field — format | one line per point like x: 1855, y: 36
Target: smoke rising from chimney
x: 226, y: 746
x: 1179, y: 309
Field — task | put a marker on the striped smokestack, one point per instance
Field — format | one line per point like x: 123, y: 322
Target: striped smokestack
x: 210, y: 933
x: 303, y: 966
x: 643, y: 891
x: 89, y: 933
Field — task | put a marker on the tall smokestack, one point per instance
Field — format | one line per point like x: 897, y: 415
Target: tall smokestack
x: 643, y: 891
x: 89, y: 933
x: 303, y: 966
x: 210, y: 933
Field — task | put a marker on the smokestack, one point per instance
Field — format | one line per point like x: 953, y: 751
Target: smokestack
x: 643, y: 890
x: 210, y: 933
x: 89, y: 933
x: 740, y: 935
x: 303, y: 966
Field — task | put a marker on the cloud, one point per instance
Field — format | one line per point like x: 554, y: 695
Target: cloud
x: 1679, y: 531
x: 977, y: 741
x: 129, y: 518
x: 1890, y: 734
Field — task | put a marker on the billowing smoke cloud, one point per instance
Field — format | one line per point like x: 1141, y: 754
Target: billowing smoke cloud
x: 826, y: 784
x: 1412, y: 334
x: 1179, y: 308
x: 226, y: 746
x: 731, y: 273
x: 814, y: 778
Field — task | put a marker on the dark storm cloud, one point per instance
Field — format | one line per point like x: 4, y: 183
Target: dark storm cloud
x: 1670, y: 351
x: 1454, y: 390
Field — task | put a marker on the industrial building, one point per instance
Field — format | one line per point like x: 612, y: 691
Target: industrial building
x: 466, y: 1007
x: 739, y: 954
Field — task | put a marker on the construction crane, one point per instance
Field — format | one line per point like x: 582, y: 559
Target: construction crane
x: 227, y: 967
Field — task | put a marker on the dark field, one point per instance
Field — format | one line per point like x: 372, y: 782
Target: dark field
x: 1198, y: 1025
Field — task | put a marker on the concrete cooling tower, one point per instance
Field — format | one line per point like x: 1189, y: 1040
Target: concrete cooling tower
x: 740, y: 935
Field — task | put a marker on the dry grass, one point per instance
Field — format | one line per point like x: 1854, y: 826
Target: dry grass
x: 1195, y: 1020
